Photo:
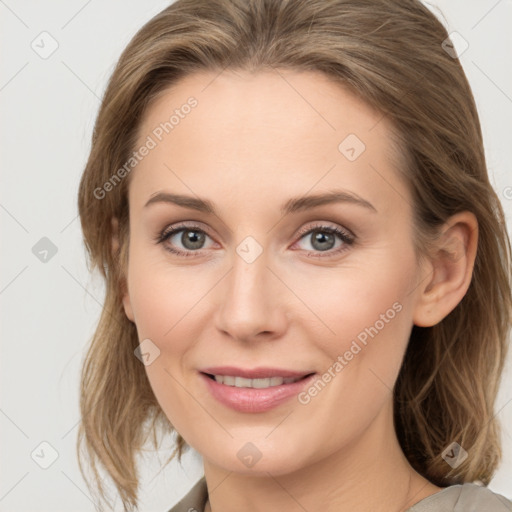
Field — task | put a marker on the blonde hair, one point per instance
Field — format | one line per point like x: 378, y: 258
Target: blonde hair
x: 389, y: 54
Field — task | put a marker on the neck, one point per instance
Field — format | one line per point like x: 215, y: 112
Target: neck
x: 370, y: 474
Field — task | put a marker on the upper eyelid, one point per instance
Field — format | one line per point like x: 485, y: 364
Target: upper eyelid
x: 326, y: 226
x: 179, y: 226
x: 197, y: 224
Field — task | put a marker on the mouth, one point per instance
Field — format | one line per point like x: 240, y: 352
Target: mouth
x: 254, y: 395
x: 260, y: 383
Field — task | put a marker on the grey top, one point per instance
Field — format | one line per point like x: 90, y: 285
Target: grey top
x: 456, y: 498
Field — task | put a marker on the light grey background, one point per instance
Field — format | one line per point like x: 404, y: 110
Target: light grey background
x: 49, y: 309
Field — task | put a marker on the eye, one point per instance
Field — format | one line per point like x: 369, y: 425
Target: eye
x: 323, y: 239
x: 191, y: 237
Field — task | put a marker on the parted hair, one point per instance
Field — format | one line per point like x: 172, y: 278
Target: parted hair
x: 391, y: 55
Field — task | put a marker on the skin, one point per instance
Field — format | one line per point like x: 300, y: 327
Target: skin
x: 253, y: 142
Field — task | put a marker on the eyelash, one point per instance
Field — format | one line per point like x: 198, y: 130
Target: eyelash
x: 346, y: 237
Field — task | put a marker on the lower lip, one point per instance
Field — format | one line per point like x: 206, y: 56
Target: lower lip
x: 254, y: 399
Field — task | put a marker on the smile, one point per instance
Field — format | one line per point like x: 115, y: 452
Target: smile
x: 241, y: 382
x: 254, y: 395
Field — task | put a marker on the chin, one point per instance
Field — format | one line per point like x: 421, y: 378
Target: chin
x: 255, y: 458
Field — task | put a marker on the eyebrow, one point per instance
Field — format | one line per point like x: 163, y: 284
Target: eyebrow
x: 293, y: 205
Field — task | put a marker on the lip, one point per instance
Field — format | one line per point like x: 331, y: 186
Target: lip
x: 255, y: 373
x: 254, y: 400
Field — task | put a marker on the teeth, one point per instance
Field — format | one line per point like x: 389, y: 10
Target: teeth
x: 242, y: 382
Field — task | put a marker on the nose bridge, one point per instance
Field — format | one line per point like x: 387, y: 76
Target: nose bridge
x: 250, y: 303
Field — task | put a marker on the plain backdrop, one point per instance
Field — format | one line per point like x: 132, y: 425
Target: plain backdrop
x: 49, y: 308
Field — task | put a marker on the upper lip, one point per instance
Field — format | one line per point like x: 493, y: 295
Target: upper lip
x: 254, y: 373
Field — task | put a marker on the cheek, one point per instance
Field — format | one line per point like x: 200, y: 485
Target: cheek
x: 166, y: 301
x: 370, y: 320
x: 367, y: 314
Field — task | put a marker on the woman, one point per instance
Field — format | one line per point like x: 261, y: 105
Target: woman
x: 235, y: 138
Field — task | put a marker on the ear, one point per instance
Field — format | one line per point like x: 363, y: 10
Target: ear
x: 124, y: 286
x: 451, y: 268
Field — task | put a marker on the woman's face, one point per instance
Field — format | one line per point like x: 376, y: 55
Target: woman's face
x: 262, y: 280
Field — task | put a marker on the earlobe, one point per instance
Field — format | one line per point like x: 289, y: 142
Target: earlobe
x: 124, y: 287
x: 115, y: 236
x: 127, y: 305
x: 452, y: 265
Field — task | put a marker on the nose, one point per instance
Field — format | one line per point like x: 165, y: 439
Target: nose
x: 252, y: 305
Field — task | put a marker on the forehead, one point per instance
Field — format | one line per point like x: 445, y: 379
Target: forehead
x: 262, y: 131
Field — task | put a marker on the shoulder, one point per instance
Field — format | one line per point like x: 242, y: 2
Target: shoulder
x: 476, y: 497
x: 194, y: 500
x: 467, y: 497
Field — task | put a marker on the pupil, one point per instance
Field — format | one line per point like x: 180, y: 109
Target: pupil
x: 322, y: 237
x: 192, y: 239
